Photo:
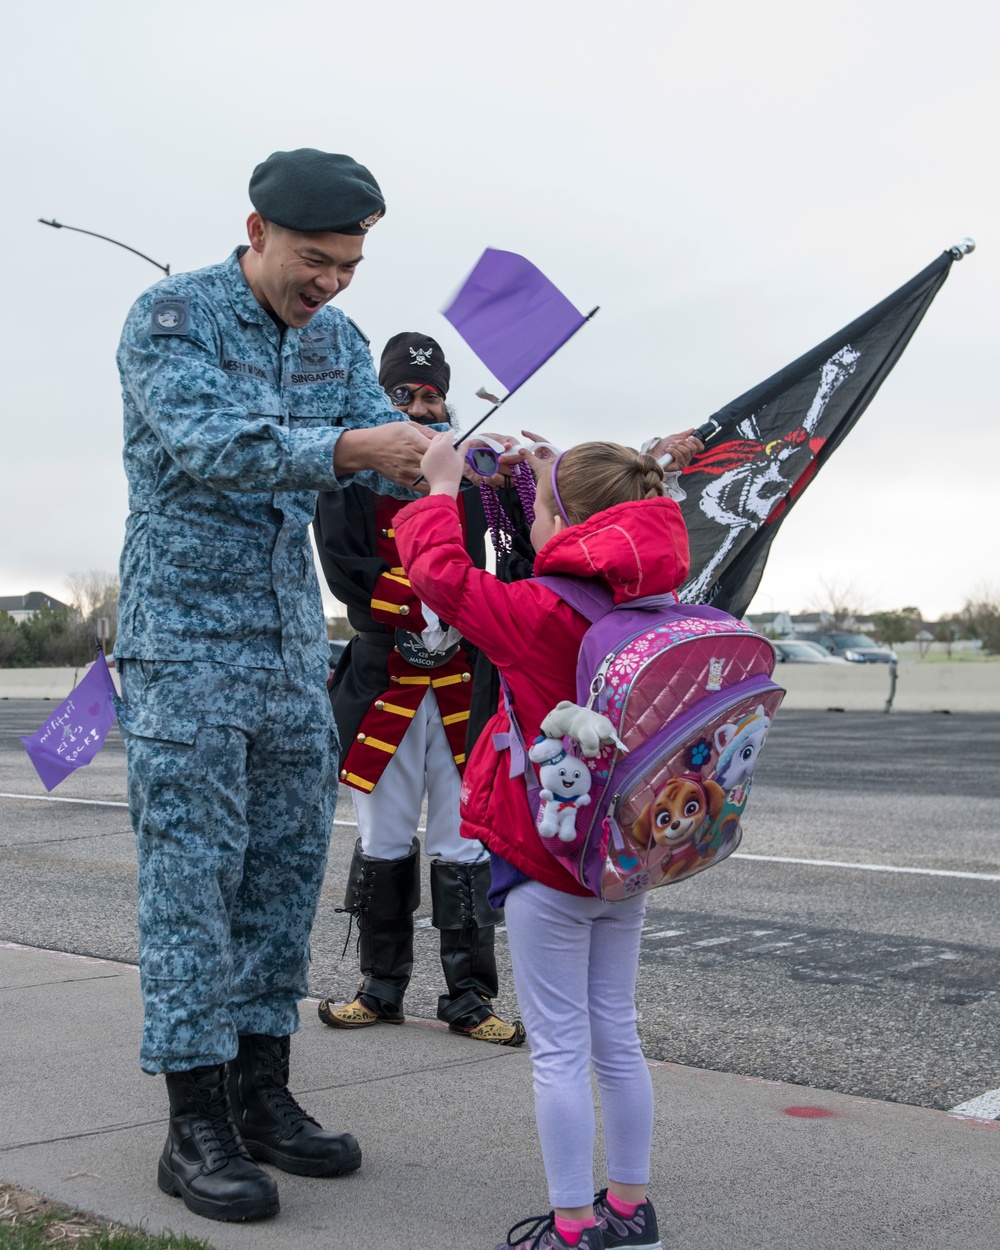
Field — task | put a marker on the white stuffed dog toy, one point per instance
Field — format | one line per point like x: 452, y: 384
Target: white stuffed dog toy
x: 591, y: 729
x: 565, y: 788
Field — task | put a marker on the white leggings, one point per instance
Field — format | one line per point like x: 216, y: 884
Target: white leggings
x: 388, y: 817
x: 575, y: 962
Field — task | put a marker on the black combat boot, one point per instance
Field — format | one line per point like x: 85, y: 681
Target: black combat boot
x: 467, y: 922
x: 204, y: 1161
x: 382, y: 895
x: 272, y: 1124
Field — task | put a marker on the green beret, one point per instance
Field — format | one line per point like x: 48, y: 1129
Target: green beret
x: 314, y: 192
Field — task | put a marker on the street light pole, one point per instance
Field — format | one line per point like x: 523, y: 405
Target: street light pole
x: 59, y: 225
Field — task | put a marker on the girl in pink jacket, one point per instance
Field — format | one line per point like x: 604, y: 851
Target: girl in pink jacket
x: 600, y: 512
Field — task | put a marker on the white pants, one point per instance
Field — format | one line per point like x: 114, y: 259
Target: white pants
x: 389, y: 816
x: 575, y: 962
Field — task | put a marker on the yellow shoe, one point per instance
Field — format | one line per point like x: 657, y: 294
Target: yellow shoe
x: 354, y: 1015
x: 494, y: 1030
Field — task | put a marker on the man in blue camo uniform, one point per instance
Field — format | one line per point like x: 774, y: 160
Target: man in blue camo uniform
x: 244, y: 395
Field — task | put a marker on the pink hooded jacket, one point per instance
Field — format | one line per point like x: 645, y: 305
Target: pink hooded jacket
x: 533, y: 637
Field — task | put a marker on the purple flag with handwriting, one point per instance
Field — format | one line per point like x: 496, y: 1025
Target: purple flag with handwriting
x: 512, y: 316
x: 76, y: 730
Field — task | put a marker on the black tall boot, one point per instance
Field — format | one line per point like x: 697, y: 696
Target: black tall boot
x: 382, y: 895
x: 272, y: 1124
x: 467, y: 923
x: 204, y: 1160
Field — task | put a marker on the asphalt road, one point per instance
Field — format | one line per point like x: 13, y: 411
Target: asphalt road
x: 871, y: 980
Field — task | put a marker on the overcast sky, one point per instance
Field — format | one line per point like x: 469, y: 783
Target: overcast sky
x: 731, y: 182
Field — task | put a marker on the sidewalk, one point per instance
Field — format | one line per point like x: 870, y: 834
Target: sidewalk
x: 451, y: 1159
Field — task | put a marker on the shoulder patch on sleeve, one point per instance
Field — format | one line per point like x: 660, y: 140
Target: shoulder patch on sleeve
x: 360, y: 332
x: 171, y: 314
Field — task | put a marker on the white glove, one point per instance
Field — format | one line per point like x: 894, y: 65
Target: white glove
x: 437, y: 636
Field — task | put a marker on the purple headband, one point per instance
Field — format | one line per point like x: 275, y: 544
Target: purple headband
x: 555, y: 489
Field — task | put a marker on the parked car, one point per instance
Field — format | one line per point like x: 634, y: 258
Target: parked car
x: 799, y: 651
x: 858, y: 648
x: 337, y: 648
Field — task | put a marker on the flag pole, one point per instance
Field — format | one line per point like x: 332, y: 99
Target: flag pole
x: 500, y: 402
x: 779, y: 434
x: 713, y: 428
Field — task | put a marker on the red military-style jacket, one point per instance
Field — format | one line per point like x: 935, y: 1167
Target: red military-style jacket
x: 376, y: 690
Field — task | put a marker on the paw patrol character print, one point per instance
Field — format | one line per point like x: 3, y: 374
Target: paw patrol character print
x: 739, y: 747
x: 565, y: 788
x: 681, y: 819
x: 714, y: 674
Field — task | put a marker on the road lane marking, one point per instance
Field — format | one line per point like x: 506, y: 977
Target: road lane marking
x: 761, y: 859
x: 55, y: 798
x: 952, y: 973
x: 837, y: 863
x: 985, y: 1107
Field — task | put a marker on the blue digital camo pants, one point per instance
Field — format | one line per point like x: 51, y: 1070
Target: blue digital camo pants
x: 232, y: 790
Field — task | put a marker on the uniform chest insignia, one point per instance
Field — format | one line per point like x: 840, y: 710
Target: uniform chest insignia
x: 318, y: 357
x: 315, y: 348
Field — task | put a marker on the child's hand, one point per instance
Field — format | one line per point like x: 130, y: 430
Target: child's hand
x: 442, y: 464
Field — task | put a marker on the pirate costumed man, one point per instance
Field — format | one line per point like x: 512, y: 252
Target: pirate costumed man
x: 401, y: 696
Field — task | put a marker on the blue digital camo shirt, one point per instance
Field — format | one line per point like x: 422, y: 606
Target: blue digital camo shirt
x: 230, y: 428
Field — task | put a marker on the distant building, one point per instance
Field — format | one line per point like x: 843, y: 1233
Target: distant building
x: 24, y: 607
x: 805, y: 624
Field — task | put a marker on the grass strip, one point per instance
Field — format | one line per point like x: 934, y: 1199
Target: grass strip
x: 28, y: 1222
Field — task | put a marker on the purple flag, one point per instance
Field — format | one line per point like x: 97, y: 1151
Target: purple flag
x: 76, y: 730
x: 512, y: 316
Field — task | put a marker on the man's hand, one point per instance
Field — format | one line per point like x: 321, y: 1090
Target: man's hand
x: 443, y: 464
x: 682, y: 447
x: 539, y: 448
x: 393, y: 449
x: 505, y: 447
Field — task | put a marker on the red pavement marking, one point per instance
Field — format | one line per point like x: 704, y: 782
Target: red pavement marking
x: 809, y: 1113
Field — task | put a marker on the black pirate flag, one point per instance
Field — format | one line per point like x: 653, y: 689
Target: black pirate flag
x: 767, y: 446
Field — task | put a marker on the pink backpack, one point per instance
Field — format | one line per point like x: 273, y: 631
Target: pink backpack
x: 689, y: 693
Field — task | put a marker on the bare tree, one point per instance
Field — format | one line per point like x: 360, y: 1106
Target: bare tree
x: 93, y: 594
x: 981, y: 616
x: 949, y: 631
x: 843, y: 604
